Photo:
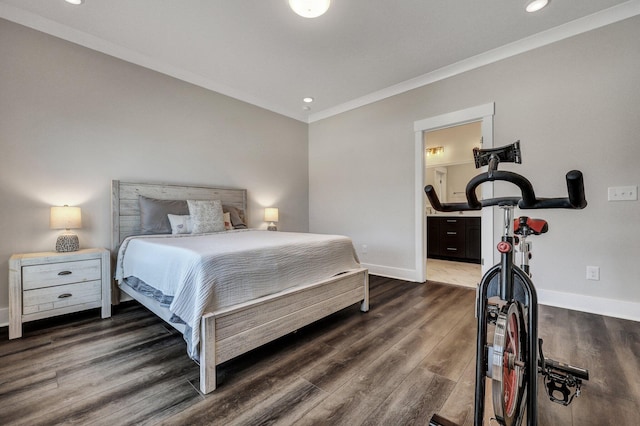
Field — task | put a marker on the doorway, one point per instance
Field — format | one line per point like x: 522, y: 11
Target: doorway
x: 484, y: 115
x: 453, y: 239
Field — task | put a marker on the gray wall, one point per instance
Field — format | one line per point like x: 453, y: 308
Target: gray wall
x: 72, y: 119
x: 573, y: 104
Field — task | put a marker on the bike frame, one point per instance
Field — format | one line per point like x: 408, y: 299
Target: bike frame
x: 507, y: 270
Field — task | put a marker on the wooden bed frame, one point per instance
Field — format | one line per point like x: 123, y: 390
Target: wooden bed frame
x: 232, y: 331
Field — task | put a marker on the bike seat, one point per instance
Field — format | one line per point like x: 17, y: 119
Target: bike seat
x: 532, y: 226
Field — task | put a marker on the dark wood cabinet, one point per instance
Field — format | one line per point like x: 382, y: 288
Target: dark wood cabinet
x: 454, y: 238
x: 473, y: 239
x: 433, y: 242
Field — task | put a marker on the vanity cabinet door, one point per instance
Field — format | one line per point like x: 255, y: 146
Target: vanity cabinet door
x: 474, y: 239
x: 454, y: 238
x: 433, y: 237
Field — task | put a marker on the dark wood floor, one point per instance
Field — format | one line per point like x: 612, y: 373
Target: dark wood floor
x: 410, y: 356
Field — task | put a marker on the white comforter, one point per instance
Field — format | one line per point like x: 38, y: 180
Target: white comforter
x: 212, y: 271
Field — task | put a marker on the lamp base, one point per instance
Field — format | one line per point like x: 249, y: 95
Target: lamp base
x: 67, y: 242
x: 272, y: 227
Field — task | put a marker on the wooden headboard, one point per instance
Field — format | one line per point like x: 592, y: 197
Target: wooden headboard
x: 125, y: 210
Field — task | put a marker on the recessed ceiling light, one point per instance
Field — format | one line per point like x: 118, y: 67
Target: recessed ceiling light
x: 535, y: 5
x: 76, y: 2
x: 307, y: 100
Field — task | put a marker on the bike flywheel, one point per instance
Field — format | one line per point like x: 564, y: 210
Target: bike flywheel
x: 508, y: 365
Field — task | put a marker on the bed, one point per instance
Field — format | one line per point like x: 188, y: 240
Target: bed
x: 224, y: 330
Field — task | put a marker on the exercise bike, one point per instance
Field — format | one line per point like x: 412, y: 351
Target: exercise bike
x: 506, y: 300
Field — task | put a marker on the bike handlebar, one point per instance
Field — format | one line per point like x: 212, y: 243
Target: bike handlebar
x: 574, y: 200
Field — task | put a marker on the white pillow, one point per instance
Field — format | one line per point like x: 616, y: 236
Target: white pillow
x: 206, y: 216
x: 180, y: 224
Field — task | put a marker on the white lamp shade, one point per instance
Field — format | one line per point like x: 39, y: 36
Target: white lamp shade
x: 65, y: 218
x: 271, y: 214
x: 309, y: 8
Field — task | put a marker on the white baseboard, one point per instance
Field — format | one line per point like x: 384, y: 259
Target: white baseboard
x: 578, y: 302
x: 391, y: 272
x: 4, y: 317
x: 595, y: 305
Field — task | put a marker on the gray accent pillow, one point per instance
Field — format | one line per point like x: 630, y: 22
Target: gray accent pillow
x: 206, y: 216
x: 153, y: 214
x: 237, y: 216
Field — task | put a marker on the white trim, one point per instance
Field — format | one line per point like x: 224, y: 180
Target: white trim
x: 455, y: 118
x: 420, y: 243
x: 489, y: 255
x: 594, y: 305
x: 391, y: 272
x: 483, y: 113
x: 578, y: 26
x: 599, y: 19
x: 4, y: 317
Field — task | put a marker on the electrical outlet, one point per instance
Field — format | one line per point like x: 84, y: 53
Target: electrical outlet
x: 593, y: 273
x: 364, y: 249
x: 622, y: 193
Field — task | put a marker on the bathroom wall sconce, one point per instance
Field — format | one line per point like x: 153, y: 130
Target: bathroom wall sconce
x: 66, y: 218
x: 435, y: 150
x: 271, y: 216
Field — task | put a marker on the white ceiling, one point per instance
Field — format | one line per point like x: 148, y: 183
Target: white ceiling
x: 360, y: 51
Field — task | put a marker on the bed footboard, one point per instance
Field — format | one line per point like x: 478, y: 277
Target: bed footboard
x: 233, y: 331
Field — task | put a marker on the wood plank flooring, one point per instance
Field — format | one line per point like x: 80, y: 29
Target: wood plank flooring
x: 450, y: 272
x: 411, y: 355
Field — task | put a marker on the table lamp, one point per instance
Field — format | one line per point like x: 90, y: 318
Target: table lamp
x: 271, y: 216
x: 66, y: 218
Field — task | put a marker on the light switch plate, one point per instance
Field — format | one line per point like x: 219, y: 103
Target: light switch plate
x: 622, y: 193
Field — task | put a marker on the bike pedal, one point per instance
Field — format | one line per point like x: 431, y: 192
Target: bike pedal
x: 558, y: 389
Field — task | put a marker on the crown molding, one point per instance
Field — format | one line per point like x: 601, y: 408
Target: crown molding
x: 570, y: 29
x: 98, y: 44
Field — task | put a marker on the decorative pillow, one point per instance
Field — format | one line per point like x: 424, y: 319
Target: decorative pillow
x: 153, y: 214
x: 227, y: 221
x: 237, y: 216
x: 206, y: 216
x: 180, y: 224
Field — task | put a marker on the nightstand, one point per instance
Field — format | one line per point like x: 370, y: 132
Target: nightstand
x: 43, y: 285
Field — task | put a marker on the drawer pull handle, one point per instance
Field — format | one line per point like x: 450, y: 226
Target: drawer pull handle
x: 64, y: 295
x: 452, y: 249
x: 452, y: 220
x: 451, y: 233
x: 65, y: 273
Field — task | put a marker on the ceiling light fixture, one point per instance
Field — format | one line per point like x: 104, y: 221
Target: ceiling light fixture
x: 535, y: 5
x: 76, y: 2
x: 307, y: 100
x: 309, y: 8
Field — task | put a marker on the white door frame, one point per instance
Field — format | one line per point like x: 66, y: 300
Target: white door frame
x: 483, y: 113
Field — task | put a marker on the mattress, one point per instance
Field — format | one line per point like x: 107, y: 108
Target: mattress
x: 206, y: 272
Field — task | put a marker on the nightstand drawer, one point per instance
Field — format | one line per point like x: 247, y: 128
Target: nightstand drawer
x: 54, y: 274
x: 50, y: 298
x: 47, y: 284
